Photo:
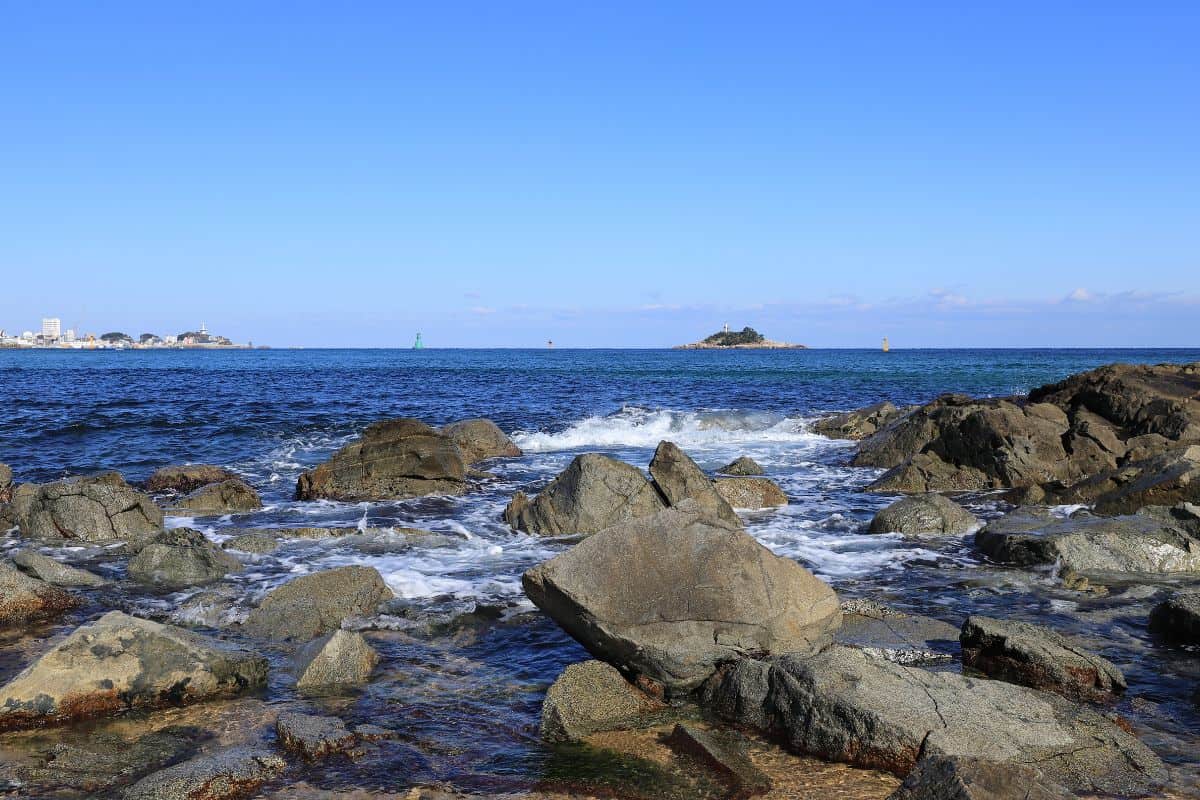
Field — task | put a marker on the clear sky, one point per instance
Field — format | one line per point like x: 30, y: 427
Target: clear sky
x: 624, y: 174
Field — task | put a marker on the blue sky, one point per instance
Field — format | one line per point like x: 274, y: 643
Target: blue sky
x: 627, y: 175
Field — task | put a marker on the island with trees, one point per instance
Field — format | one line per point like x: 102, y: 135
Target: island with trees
x: 745, y: 339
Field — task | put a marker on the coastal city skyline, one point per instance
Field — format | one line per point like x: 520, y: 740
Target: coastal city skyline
x: 53, y: 335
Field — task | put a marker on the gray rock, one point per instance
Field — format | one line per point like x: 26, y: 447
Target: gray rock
x: 119, y: 663
x: 257, y: 542
x: 184, y: 478
x: 1178, y: 617
x: 671, y: 596
x: 1033, y: 656
x: 479, y: 439
x: 751, y: 493
x: 181, y: 558
x: 305, y: 607
x: 858, y: 424
x: 23, y: 598
x: 6, y: 483
x: 846, y: 705
x: 212, y: 609
x: 341, y: 658
x: 724, y: 752
x: 895, y: 635
x: 593, y: 493
x: 924, y: 513
x: 311, y: 736
x: 100, y: 509
x: 592, y: 696
x: 226, y: 775
x: 54, y: 572
x: 227, y: 497
x: 394, y: 459
x: 957, y: 778
x: 678, y: 478
x: 742, y: 466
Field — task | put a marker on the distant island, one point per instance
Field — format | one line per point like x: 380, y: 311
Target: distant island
x: 745, y: 339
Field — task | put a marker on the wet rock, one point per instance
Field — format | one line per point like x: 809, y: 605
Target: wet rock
x: 305, y: 607
x: 846, y: 705
x: 1178, y: 618
x: 54, y: 572
x: 121, y: 662
x: 742, y: 466
x: 479, y: 439
x: 312, y: 736
x: 858, y: 424
x: 592, y: 696
x: 594, y: 492
x: 184, y: 478
x: 669, y: 597
x: 180, y: 558
x: 895, y: 635
x: 394, y: 459
x: 924, y: 513
x: 341, y: 658
x: 957, y: 778
x: 227, y: 497
x: 99, y: 509
x: 1134, y: 544
x: 212, y: 609
x: 23, y: 598
x: 1161, y: 480
x: 724, y: 752
x: 678, y: 478
x: 234, y: 773
x: 257, y: 542
x: 1033, y: 656
x: 750, y: 493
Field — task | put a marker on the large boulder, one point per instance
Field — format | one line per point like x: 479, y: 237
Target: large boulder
x: 184, y: 478
x: 593, y: 493
x: 671, y: 596
x: 54, y: 572
x: 341, y: 658
x: 847, y: 705
x: 751, y: 493
x: 230, y: 496
x: 858, y: 424
x: 180, y: 558
x: 1178, y: 618
x: 958, y: 778
x: 678, y: 478
x: 308, y: 606
x: 394, y: 459
x: 99, y: 509
x: 23, y: 598
x: 1038, y: 657
x: 119, y: 663
x: 479, y: 439
x: 1142, y: 543
x: 592, y: 696
x: 225, y: 775
x: 924, y: 513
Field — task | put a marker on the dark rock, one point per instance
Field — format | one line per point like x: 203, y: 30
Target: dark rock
x: 393, y: 460
x: 1178, y: 618
x: 180, y: 558
x: 724, y: 752
x: 594, y: 492
x: 100, y: 509
x: 54, y: 572
x: 858, y: 424
x: 742, y: 466
x: 234, y: 773
x: 957, y: 778
x: 311, y: 736
x: 678, y: 478
x: 184, y: 478
x: 479, y: 439
x: 924, y: 513
x: 751, y: 493
x: 341, y: 658
x: 305, y: 607
x: 227, y: 497
x: 119, y: 663
x: 1033, y: 656
x: 592, y: 696
x: 1161, y: 480
x: 671, y: 596
x: 23, y: 598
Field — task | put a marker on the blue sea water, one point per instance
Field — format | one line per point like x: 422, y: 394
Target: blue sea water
x: 466, y: 700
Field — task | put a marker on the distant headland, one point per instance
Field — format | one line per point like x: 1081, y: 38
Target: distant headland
x: 745, y: 339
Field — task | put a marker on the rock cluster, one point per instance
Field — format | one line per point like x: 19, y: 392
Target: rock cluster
x: 99, y: 509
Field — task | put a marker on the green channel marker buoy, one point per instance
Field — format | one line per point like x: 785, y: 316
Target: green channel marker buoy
x: 418, y: 344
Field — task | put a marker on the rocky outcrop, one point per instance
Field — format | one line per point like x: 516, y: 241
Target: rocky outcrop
x: 119, y: 663
x: 742, y: 466
x: 924, y: 514
x: 99, y: 509
x: 847, y: 705
x: 592, y: 696
x: 958, y: 778
x: 185, y: 478
x: 312, y: 736
x: 671, y: 596
x: 308, y: 606
x: 181, y: 558
x: 226, y: 775
x: 341, y: 658
x: 678, y: 478
x: 593, y: 493
x: 23, y: 598
x: 1178, y: 618
x: 751, y: 493
x: 53, y: 572
x: 479, y: 439
x: 230, y: 496
x: 395, y: 459
x: 1142, y: 543
x: 1033, y: 656
x: 860, y: 423
x: 1165, y: 479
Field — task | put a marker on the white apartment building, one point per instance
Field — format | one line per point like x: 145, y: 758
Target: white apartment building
x: 51, y: 328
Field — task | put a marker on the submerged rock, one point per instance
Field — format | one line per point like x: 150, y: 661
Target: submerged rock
x: 724, y: 752
x: 895, y: 635
x: 958, y: 778
x: 312, y: 736
x: 394, y: 459
x: 234, y: 773
x: 23, y: 598
x: 671, y: 596
x: 592, y: 696
x: 180, y: 558
x: 1178, y: 617
x: 751, y: 493
x: 227, y: 497
x: 310, y: 605
x: 184, y: 478
x: 99, y: 509
x: 742, y: 466
x: 479, y: 439
x: 341, y: 658
x: 1033, y: 656
x: 54, y: 572
x: 119, y: 663
x: 678, y: 478
x: 860, y: 423
x: 925, y: 513
x: 593, y: 493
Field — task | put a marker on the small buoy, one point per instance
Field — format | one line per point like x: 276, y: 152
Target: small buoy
x: 886, y: 346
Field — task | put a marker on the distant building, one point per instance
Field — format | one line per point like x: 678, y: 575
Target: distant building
x: 69, y: 336
x: 51, y: 329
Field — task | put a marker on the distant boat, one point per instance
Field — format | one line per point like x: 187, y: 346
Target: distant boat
x: 418, y: 344
x: 886, y: 347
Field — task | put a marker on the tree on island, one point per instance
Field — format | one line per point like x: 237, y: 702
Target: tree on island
x: 746, y: 335
x: 147, y: 337
x: 115, y: 336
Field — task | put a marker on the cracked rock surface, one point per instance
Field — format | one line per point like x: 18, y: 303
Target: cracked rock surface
x: 102, y: 508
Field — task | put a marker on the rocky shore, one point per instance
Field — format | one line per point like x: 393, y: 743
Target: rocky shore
x: 717, y: 667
